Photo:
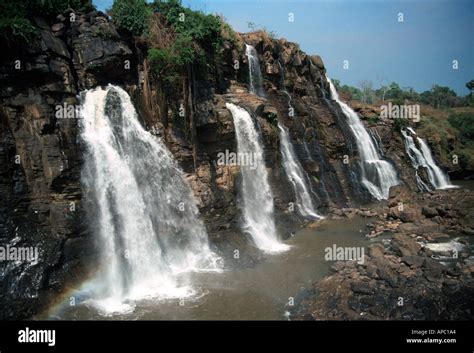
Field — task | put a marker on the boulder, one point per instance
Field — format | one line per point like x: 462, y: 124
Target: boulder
x: 376, y: 250
x: 429, y: 212
x: 403, y: 245
x: 316, y: 60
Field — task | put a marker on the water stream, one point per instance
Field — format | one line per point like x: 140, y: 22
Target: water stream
x: 420, y: 156
x: 261, y: 292
x: 257, y: 199
x: 140, y: 207
x: 378, y: 175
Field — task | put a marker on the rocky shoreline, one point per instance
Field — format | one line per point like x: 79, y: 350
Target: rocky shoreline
x: 419, y: 267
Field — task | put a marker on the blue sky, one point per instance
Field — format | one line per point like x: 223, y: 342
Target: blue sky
x: 417, y: 52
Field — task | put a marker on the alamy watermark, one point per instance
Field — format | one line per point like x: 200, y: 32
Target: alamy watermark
x: 37, y: 336
x: 241, y: 158
x: 403, y: 111
x: 339, y: 253
x: 67, y: 111
x: 24, y: 254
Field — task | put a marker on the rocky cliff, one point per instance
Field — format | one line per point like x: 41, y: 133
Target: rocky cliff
x: 41, y: 154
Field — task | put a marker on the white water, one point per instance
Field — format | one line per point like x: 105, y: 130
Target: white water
x: 378, y: 175
x: 437, y: 178
x: 145, y: 213
x: 283, y: 88
x: 422, y: 157
x: 296, y: 175
x: 452, y: 245
x: 257, y: 199
x: 255, y: 75
x: 417, y: 159
x: 293, y: 168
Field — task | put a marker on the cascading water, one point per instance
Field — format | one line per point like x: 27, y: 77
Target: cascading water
x: 438, y: 178
x: 282, y: 84
x: 377, y: 140
x: 144, y: 210
x: 295, y: 173
x: 255, y: 75
x: 292, y: 167
x: 378, y: 175
x: 257, y: 199
x: 422, y: 157
x: 417, y: 159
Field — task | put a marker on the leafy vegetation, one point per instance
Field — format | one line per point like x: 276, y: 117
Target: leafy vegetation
x: 132, y: 15
x: 399, y: 124
x: 374, y: 119
x: 194, y: 25
x: 464, y: 123
x: 180, y: 39
x: 20, y: 28
x: 451, y: 133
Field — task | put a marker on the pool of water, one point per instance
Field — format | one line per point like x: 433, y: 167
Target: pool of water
x: 466, y: 184
x: 259, y: 293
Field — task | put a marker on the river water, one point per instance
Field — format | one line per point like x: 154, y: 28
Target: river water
x: 259, y: 293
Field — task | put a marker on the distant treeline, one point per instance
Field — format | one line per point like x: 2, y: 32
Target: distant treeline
x: 437, y: 97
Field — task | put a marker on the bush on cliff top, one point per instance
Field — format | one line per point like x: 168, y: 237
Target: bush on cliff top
x: 132, y: 15
x: 464, y: 123
x: 180, y: 38
x: 202, y: 28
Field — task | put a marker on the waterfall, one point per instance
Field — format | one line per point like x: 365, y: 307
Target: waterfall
x: 417, y: 159
x: 282, y: 84
x: 422, y: 157
x: 144, y: 210
x: 296, y: 175
x: 376, y: 140
x: 378, y: 175
x: 292, y: 167
x: 255, y: 75
x: 257, y: 199
x: 437, y: 177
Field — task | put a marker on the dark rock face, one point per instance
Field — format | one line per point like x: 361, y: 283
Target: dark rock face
x: 41, y: 158
x: 317, y: 127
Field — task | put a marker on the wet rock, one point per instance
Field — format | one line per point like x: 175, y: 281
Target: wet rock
x: 409, y: 215
x: 429, y: 212
x: 413, y: 260
x: 454, y: 271
x: 407, y: 228
x: 337, y: 266
x: 362, y: 287
x: 404, y: 245
x: 388, y: 275
x: 432, y: 265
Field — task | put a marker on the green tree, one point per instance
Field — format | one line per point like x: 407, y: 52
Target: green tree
x: 464, y: 123
x: 132, y: 15
x: 470, y: 85
x: 394, y: 92
x: 443, y: 96
x: 352, y: 93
